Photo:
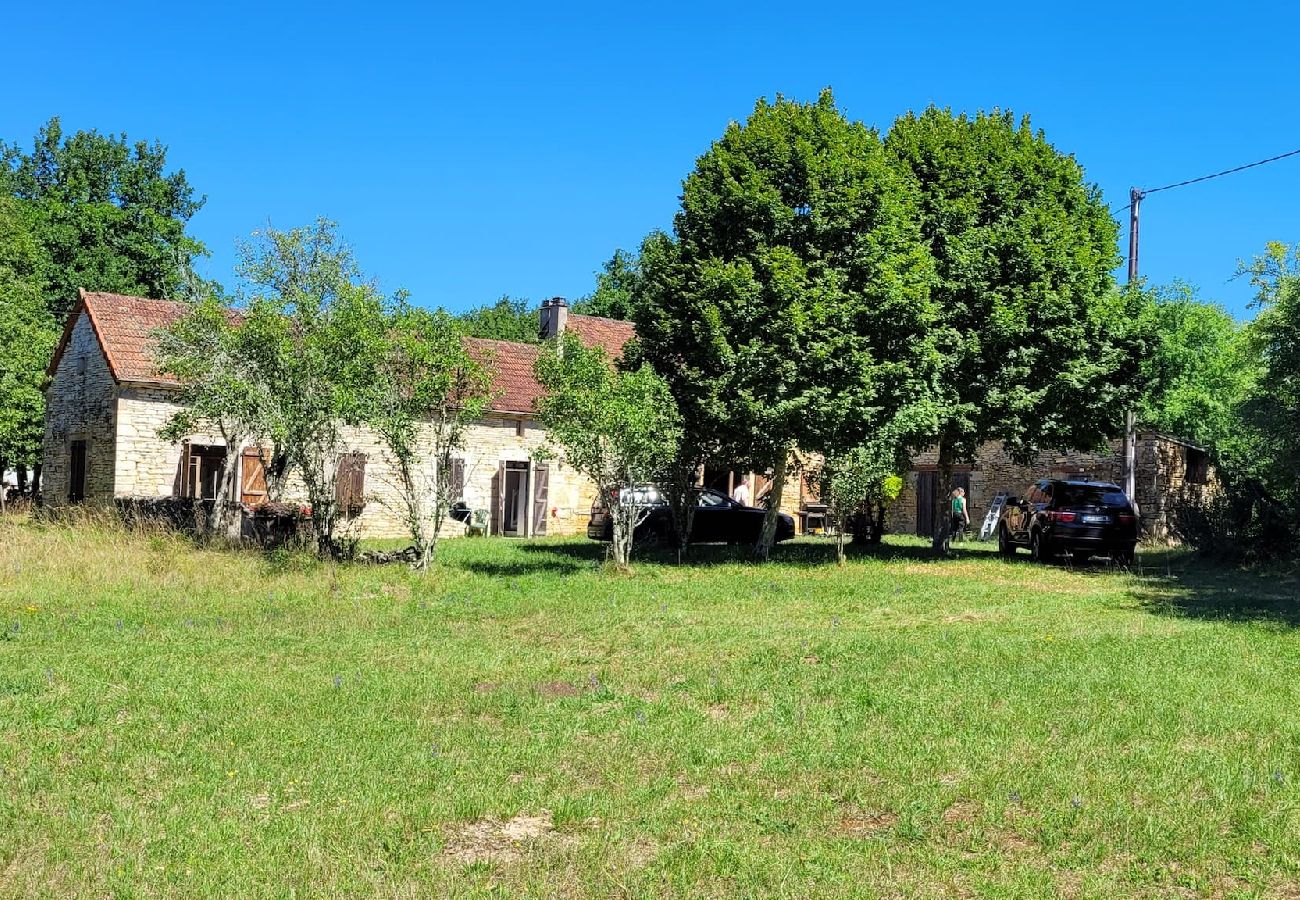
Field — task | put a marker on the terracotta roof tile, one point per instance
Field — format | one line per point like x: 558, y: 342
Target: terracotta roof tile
x: 125, y: 327
x: 597, y: 331
x: 510, y: 365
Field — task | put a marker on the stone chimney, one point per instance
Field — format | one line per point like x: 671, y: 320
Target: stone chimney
x: 554, y: 315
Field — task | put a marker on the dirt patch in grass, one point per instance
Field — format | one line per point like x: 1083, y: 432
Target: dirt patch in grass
x: 962, y: 812
x: 496, y: 841
x: 864, y: 823
x: 557, y: 689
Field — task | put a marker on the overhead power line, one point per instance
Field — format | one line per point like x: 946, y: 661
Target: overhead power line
x: 1224, y: 172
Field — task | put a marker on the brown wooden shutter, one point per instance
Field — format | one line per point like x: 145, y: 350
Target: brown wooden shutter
x: 183, y: 472
x: 499, y: 499
x: 540, y: 491
x: 350, y: 483
x: 457, y: 480
x: 252, y: 480
x: 77, y: 472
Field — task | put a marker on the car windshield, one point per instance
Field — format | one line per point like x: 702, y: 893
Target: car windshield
x: 1090, y: 495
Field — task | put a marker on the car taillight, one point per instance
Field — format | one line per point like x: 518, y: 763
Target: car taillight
x: 1125, y: 519
x: 1062, y: 516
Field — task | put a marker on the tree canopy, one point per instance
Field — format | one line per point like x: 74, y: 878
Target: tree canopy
x: 617, y: 286
x: 1039, y: 349
x: 507, y: 319
x: 106, y: 212
x: 791, y: 306
x: 28, y: 334
x: 1199, y: 370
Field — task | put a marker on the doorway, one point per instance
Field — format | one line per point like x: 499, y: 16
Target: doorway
x: 514, y: 499
x: 927, y: 484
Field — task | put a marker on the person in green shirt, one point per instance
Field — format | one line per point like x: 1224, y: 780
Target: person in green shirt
x: 960, y: 515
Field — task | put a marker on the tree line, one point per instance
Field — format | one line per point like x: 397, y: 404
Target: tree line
x: 854, y: 294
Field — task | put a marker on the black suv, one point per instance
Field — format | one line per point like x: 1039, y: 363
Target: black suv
x: 718, y: 519
x: 1083, y: 518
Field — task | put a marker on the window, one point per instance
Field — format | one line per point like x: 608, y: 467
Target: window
x: 1197, y: 466
x: 520, y: 428
x: 81, y: 364
x: 202, y: 465
x: 350, y: 484
x: 77, y: 472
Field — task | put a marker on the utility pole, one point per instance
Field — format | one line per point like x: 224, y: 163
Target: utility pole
x: 1130, y: 418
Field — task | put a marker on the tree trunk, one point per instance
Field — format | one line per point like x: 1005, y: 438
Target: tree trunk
x: 943, y: 499
x: 624, y: 523
x: 216, y: 524
x: 36, y: 480
x: 763, y: 549
x: 840, y: 523
x: 21, y: 470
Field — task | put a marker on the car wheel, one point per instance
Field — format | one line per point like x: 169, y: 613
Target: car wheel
x: 1124, y: 558
x: 1005, y: 547
x: 1039, y: 548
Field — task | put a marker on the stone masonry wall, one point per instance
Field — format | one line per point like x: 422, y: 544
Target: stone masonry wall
x: 1160, y: 479
x: 79, y: 405
x: 149, y: 466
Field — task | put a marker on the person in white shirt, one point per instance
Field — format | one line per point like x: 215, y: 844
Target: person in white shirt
x: 741, y: 493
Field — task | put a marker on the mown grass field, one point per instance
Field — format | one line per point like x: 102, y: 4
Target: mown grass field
x: 175, y: 722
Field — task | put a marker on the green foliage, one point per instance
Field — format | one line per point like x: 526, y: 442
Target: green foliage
x: 1272, y: 408
x: 427, y: 389
x: 791, y: 306
x: 315, y: 335
x: 505, y: 320
x: 617, y: 286
x: 854, y: 483
x: 1038, y: 348
x: 1199, y: 371
x: 619, y: 428
x: 28, y: 334
x: 106, y: 213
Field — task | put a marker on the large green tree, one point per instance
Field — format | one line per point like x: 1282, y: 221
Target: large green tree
x: 1271, y: 411
x: 617, y: 287
x: 28, y: 334
x: 1039, y: 348
x: 1199, y: 370
x: 106, y: 212
x: 505, y: 320
x: 791, y: 305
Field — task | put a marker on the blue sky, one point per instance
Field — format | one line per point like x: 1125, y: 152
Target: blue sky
x: 471, y: 151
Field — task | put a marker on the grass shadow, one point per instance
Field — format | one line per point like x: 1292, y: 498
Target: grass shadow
x: 1179, y: 583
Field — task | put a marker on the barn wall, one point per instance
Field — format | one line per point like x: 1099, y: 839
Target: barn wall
x: 80, y: 405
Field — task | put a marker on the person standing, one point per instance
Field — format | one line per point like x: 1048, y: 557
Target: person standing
x: 960, y: 514
x: 741, y: 493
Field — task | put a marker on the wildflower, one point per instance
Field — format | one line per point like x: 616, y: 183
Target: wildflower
x: 32, y: 608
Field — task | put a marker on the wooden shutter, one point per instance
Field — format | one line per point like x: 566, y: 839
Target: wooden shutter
x: 252, y: 478
x: 77, y: 472
x: 499, y: 499
x: 540, y: 491
x: 457, y: 480
x: 925, y: 488
x: 183, y: 472
x: 350, y: 484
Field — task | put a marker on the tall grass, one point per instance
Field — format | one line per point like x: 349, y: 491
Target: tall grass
x: 185, y: 722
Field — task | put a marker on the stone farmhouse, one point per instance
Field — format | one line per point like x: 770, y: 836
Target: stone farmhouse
x: 106, y: 403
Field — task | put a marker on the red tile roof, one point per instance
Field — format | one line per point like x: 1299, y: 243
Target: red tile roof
x: 597, y: 331
x: 510, y: 365
x: 125, y: 326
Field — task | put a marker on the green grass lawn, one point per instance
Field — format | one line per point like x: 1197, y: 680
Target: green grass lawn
x: 521, y: 721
